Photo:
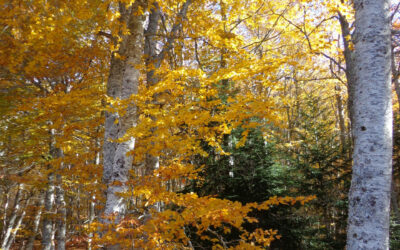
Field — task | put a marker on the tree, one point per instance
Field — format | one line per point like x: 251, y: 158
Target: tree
x: 237, y: 97
x: 369, y: 197
x: 123, y: 81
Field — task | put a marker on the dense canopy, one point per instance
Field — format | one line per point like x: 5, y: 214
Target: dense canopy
x: 183, y: 124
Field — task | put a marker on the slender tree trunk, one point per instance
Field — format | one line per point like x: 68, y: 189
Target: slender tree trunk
x: 13, y: 217
x: 396, y: 83
x: 91, y: 219
x: 36, y: 222
x: 395, y: 203
x: 154, y: 60
x: 17, y: 227
x: 5, y: 208
x: 47, y: 225
x: 369, y: 198
x: 92, y: 212
x: 342, y: 125
x: 52, y: 237
x: 350, y: 66
x: 61, y: 213
x: 396, y: 75
x: 151, y: 161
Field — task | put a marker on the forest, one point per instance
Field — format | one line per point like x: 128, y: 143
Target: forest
x: 199, y: 124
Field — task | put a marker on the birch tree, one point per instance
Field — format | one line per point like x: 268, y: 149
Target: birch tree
x: 369, y: 198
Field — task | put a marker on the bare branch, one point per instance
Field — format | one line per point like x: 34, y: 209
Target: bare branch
x: 394, y: 12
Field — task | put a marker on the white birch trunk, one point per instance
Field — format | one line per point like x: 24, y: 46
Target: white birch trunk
x: 369, y: 198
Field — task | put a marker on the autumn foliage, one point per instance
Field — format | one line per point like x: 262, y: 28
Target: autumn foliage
x: 232, y: 68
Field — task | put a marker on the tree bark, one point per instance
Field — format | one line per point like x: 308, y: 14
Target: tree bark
x: 61, y: 213
x: 369, y: 198
x: 36, y: 222
x: 340, y: 111
x: 13, y: 217
x: 92, y: 199
x: 17, y: 226
x: 350, y: 65
x: 123, y: 81
x: 395, y: 204
x: 396, y: 75
x: 47, y: 225
x: 4, y: 214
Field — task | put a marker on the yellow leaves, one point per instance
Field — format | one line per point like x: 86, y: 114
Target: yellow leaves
x: 191, y: 105
x: 166, y: 228
x: 139, y: 11
x: 349, y: 41
x: 351, y: 45
x: 243, y: 139
x: 273, y: 201
x: 263, y: 237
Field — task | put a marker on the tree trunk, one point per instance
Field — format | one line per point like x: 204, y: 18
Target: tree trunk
x: 4, y: 215
x: 396, y: 75
x: 61, y: 213
x: 342, y: 125
x: 92, y: 212
x: 17, y: 227
x: 154, y: 60
x: 395, y: 204
x: 47, y: 225
x: 369, y: 198
x: 91, y: 219
x: 122, y: 83
x: 350, y: 66
x: 13, y: 217
x: 47, y: 228
x: 36, y: 222
x: 396, y: 83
